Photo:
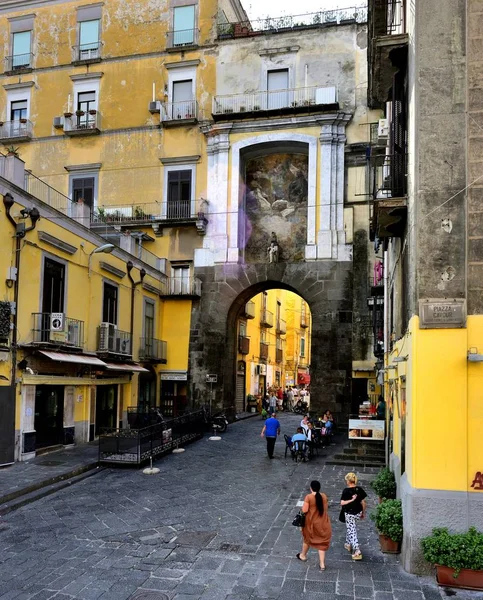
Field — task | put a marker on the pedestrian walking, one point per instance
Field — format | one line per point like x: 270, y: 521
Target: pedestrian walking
x: 353, y: 508
x: 317, y: 530
x: 273, y: 402
x: 271, y: 430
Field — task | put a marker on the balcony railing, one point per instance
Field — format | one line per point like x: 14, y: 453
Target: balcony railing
x: 57, y: 329
x: 278, y: 355
x: 266, y: 318
x: 294, y: 99
x: 181, y: 286
x: 18, y: 62
x: 249, y: 311
x: 112, y: 340
x: 151, y: 349
x: 16, y: 131
x: 288, y: 22
x: 243, y: 344
x: 83, y: 123
x: 86, y: 53
x: 304, y: 320
x: 41, y: 190
x: 173, y: 113
x: 281, y: 326
x: 389, y: 176
x: 393, y: 13
x: 177, y: 40
x: 264, y: 350
x: 172, y: 210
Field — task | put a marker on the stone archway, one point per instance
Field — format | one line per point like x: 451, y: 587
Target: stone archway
x: 325, y: 285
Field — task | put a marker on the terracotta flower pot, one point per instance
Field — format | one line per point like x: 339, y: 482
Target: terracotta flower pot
x: 389, y: 546
x: 467, y: 579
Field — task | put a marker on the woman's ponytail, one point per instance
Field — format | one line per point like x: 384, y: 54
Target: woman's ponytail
x: 315, y: 487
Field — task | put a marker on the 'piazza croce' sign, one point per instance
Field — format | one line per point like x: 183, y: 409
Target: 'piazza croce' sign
x: 478, y: 481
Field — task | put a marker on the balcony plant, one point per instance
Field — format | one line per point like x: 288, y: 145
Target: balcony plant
x: 256, y: 107
x: 80, y: 113
x: 385, y: 484
x: 92, y: 111
x: 67, y: 115
x: 458, y: 557
x: 242, y: 108
x: 388, y: 519
x: 23, y: 120
x: 12, y: 151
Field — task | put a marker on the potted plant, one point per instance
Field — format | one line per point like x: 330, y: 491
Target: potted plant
x: 385, y: 484
x: 458, y: 557
x: 23, y: 120
x: 242, y: 109
x: 256, y: 107
x: 12, y: 151
x: 68, y: 115
x: 92, y: 111
x: 80, y: 113
x: 389, y: 523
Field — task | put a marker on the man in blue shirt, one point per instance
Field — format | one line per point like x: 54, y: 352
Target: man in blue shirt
x: 300, y: 437
x: 271, y: 430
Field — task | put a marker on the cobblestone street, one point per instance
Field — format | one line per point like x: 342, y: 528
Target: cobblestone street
x: 214, y: 524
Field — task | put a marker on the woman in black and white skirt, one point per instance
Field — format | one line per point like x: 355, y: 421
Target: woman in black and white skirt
x: 353, y: 508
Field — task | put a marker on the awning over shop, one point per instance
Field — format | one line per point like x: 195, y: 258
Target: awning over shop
x: 303, y: 378
x: 79, y: 359
x: 125, y: 367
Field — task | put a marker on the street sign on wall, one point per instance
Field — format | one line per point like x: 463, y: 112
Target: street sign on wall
x: 212, y: 378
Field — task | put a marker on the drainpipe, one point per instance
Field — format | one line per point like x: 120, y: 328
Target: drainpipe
x: 386, y: 346
x: 20, y: 231
x: 134, y: 284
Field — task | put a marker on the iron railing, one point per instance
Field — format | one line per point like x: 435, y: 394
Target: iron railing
x: 87, y: 52
x: 112, y: 340
x: 153, y: 349
x: 264, y: 350
x: 187, y: 110
x: 393, y: 11
x: 43, y: 191
x: 281, y: 326
x: 57, y: 329
x: 136, y: 446
x: 185, y: 37
x: 304, y: 320
x: 266, y: 318
x: 83, y: 123
x: 243, y: 344
x: 274, y: 100
x: 181, y: 286
x: 389, y: 176
x: 287, y: 22
x: 21, y: 129
x: 249, y: 310
x: 18, y: 62
x: 171, y: 210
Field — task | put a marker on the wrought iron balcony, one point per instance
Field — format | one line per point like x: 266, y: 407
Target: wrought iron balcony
x: 243, y: 344
x: 179, y: 113
x: 82, y: 123
x: 86, y: 53
x: 279, y: 355
x: 389, y: 191
x: 19, y: 63
x: 266, y: 318
x: 172, y: 210
x: 264, y: 350
x: 281, y: 327
x: 58, y: 330
x: 189, y: 287
x: 304, y: 320
x: 111, y: 340
x: 16, y: 131
x: 257, y: 104
x: 153, y: 350
x: 182, y: 40
x: 249, y: 310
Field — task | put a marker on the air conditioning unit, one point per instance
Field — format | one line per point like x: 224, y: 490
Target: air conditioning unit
x: 58, y: 122
x: 155, y: 107
x: 107, y: 337
x: 383, y: 130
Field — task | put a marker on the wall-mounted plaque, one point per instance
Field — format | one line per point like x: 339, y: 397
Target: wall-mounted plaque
x: 442, y: 314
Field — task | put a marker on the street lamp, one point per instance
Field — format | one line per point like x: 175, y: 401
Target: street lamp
x: 105, y: 249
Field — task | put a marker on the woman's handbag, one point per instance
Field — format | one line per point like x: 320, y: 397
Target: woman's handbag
x: 342, y: 515
x: 299, y: 520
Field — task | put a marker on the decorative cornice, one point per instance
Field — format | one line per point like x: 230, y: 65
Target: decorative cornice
x: 180, y: 160
x: 18, y: 86
x: 93, y: 5
x: 150, y: 288
x: 112, y: 270
x: 83, y: 168
x: 21, y: 18
x: 182, y: 64
x: 285, y: 50
x: 56, y: 243
x: 86, y: 76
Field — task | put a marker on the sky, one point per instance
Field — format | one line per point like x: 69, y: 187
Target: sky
x: 259, y: 9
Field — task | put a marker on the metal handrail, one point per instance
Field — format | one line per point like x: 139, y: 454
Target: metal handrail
x: 153, y: 349
x: 179, y: 111
x: 185, y: 37
x: 20, y: 128
x: 17, y: 62
x: 64, y: 331
x: 43, y: 191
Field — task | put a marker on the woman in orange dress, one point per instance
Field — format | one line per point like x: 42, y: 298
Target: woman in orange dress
x: 317, y: 531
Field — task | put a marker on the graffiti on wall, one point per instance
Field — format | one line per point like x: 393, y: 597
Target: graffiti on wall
x: 276, y: 203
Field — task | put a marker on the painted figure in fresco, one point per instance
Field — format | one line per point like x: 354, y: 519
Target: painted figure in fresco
x: 273, y: 249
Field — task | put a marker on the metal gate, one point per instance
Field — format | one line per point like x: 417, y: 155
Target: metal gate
x: 240, y: 393
x: 7, y: 425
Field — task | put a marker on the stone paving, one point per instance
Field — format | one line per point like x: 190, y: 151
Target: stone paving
x: 214, y: 524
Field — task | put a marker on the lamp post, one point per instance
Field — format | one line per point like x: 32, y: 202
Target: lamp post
x: 105, y: 249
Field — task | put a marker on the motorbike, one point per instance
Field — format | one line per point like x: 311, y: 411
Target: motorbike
x: 216, y: 421
x: 301, y: 407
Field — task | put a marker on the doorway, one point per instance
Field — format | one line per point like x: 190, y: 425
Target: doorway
x: 49, y: 415
x: 52, y: 294
x: 106, y: 408
x: 277, y: 86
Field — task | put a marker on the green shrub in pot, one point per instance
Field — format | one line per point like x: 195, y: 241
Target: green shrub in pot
x: 385, y: 484
x: 454, y: 550
x: 388, y: 519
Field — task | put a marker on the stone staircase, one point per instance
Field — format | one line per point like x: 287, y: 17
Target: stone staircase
x: 360, y: 454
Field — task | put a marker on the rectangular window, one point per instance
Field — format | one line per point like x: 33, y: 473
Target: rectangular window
x: 18, y: 110
x: 264, y: 301
x: 182, y: 100
x: 302, y: 347
x: 83, y: 189
x: 184, y: 26
x: 149, y: 320
x: 277, y: 87
x: 86, y: 101
x: 180, y: 280
x: 263, y: 336
x: 243, y: 329
x: 89, y: 39
x: 109, y: 304
x: 179, y: 194
x: 21, y: 49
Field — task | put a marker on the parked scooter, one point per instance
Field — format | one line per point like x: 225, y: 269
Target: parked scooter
x: 301, y: 407
x: 216, y: 421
